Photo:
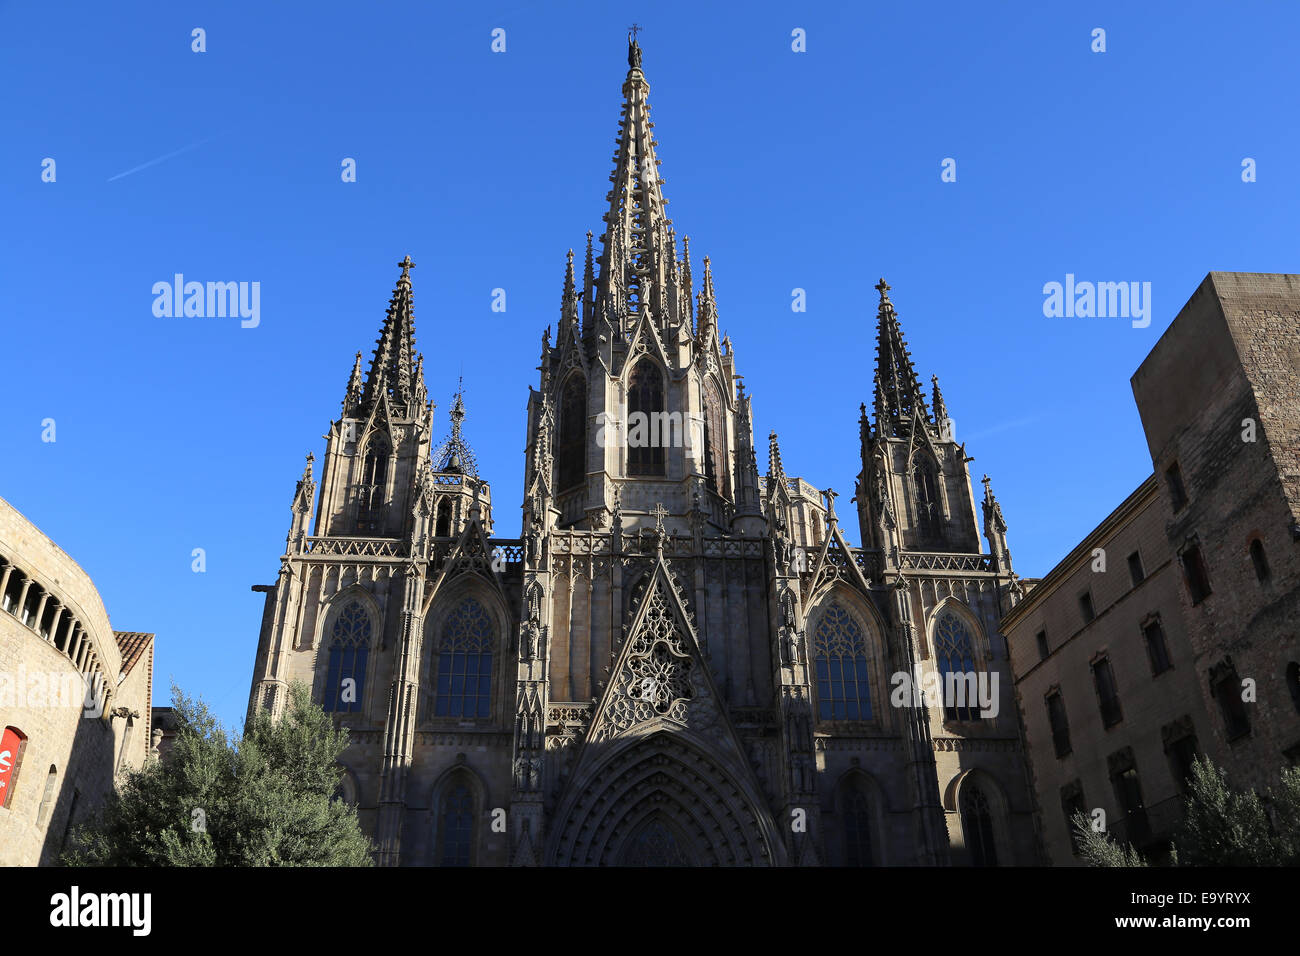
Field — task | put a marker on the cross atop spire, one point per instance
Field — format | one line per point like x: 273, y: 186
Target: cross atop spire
x: 407, y: 265
x: 634, y: 48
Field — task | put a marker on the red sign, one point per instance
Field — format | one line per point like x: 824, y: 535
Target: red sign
x: 11, y: 751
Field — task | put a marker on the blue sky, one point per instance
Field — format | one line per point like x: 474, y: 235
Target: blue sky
x: 817, y: 170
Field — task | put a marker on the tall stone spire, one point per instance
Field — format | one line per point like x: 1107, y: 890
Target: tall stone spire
x: 569, y: 300
x: 391, y: 371
x: 455, y: 455
x: 899, y: 399
x: 634, y: 263
x: 588, y: 288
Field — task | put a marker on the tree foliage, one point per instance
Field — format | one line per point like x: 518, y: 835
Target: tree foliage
x: 266, y: 799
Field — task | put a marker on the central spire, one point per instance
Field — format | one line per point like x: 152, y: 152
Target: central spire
x: 899, y: 399
x: 392, y: 372
x: 637, y: 254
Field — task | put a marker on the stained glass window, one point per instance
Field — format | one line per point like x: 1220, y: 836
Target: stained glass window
x: 840, y: 662
x: 464, y: 682
x: 349, y: 649
x: 977, y: 823
x: 455, y: 825
x: 954, y: 653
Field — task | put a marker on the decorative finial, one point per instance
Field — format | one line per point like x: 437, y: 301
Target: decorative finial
x: 883, y: 288
x: 407, y: 265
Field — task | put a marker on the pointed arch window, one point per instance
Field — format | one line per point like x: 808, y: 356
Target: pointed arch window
x: 857, y: 826
x: 840, y: 664
x: 954, y: 654
x: 345, y: 676
x: 373, y: 489
x: 926, y: 489
x: 442, y: 527
x: 645, y: 399
x: 717, y: 470
x: 571, y: 453
x: 464, y: 681
x: 455, y: 824
x: 655, y: 843
x: 977, y: 825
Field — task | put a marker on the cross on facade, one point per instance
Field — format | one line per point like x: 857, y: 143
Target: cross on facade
x: 660, y: 512
x: 407, y: 265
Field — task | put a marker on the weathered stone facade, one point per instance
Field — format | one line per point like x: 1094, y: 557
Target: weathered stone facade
x: 1216, y: 531
x: 62, y: 746
x: 679, y: 660
x: 1219, y: 397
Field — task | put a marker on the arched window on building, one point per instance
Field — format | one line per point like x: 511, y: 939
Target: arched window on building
x: 455, y: 837
x: 925, y: 486
x: 12, y: 745
x: 571, y: 453
x: 373, y: 490
x: 954, y: 653
x: 717, y: 470
x: 442, y: 527
x: 855, y: 818
x: 977, y: 825
x: 645, y: 401
x: 840, y: 664
x: 345, y: 678
x: 464, y: 679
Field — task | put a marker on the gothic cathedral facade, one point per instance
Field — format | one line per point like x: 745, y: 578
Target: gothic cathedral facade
x: 681, y: 660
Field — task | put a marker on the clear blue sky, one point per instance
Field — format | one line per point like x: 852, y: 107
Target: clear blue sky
x: 818, y: 170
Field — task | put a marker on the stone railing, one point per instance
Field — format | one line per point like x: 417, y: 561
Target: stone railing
x: 937, y: 561
x: 354, y: 547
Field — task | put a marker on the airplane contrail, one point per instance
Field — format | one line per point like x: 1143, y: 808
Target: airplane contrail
x: 160, y: 159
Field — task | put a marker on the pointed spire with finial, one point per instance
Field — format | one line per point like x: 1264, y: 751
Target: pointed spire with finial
x: 775, y: 470
x: 899, y: 400
x: 940, y: 409
x: 393, y: 364
x: 707, y: 315
x: 352, y: 397
x: 688, y: 291
x: 455, y: 455
x: 569, y: 299
x: 588, y: 287
x: 995, y: 528
x: 634, y: 266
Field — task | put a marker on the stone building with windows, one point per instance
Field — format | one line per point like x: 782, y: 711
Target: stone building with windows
x: 1184, y: 638
x: 680, y: 660
x: 74, y: 695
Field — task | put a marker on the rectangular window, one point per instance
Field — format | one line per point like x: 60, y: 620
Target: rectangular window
x: 1107, y: 693
x: 1060, y: 726
x: 1177, y: 494
x: 1128, y: 790
x: 1085, y: 607
x: 1043, y: 650
x: 1135, y: 569
x: 1157, y: 649
x: 1198, y: 579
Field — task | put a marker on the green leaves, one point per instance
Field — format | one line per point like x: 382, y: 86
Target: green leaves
x: 266, y: 799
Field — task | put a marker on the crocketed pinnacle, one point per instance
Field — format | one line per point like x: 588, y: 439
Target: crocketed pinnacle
x: 391, y: 371
x: 352, y: 397
x: 940, y: 409
x: 899, y: 399
x: 775, y: 470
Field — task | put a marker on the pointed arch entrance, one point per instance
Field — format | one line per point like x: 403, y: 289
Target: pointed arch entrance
x: 660, y: 801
